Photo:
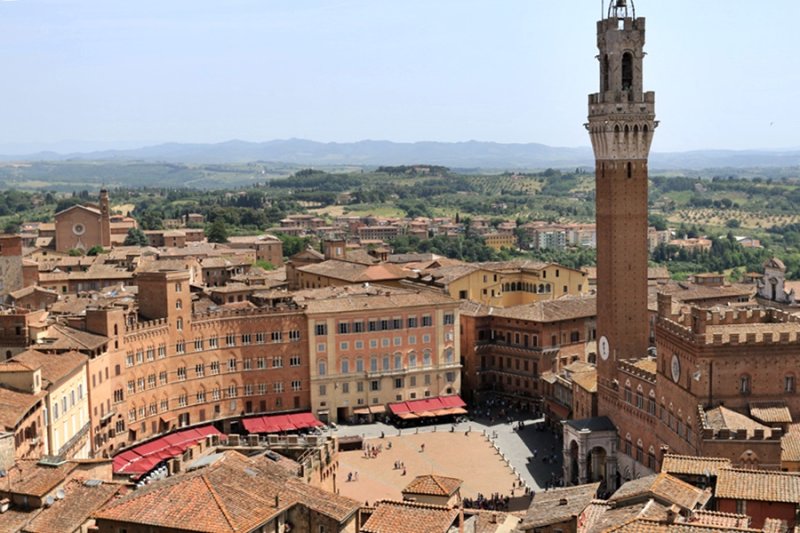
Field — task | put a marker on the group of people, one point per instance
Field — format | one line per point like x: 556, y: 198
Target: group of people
x: 400, y: 465
x: 495, y: 502
x: 371, y: 452
x: 352, y: 476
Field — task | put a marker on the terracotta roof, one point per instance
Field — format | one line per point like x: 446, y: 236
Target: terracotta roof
x: 758, y: 485
x: 355, y: 272
x: 479, y: 521
x: 363, y: 300
x: 54, y: 367
x: 433, y: 485
x: 409, y: 517
x: 790, y: 447
x: 233, y: 494
x: 559, y: 505
x: 33, y: 479
x: 74, y: 510
x: 16, y: 366
x: 771, y: 412
x: 568, y: 308
x: 646, y: 525
x: 73, y: 339
x: 15, y: 519
x: 586, y: 380
x: 724, y: 418
x: 600, y: 515
x: 713, y: 518
x: 15, y: 405
x: 693, y: 466
x: 665, y: 489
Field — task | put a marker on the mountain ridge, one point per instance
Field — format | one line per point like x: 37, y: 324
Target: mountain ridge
x: 464, y: 154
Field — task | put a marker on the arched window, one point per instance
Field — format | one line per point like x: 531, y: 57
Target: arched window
x: 630, y: 169
x: 398, y: 361
x: 345, y: 366
x: 448, y: 355
x: 373, y: 364
x: 412, y: 359
x: 323, y: 368
x: 359, y: 364
x: 627, y: 71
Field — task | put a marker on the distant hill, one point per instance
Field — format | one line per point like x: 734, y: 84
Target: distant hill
x: 461, y: 155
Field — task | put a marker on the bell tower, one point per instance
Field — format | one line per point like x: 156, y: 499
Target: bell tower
x: 621, y: 125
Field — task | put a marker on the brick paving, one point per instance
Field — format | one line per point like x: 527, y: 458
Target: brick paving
x: 468, y: 457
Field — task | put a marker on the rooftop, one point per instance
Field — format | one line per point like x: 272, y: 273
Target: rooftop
x: 54, y: 367
x: 665, y: 489
x: 758, y: 485
x: 559, y: 505
x: 693, y: 466
x: 433, y: 485
x: 409, y: 517
x: 568, y: 308
x: 233, y: 494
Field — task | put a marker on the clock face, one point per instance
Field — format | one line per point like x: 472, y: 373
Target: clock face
x: 676, y: 368
x: 604, y: 348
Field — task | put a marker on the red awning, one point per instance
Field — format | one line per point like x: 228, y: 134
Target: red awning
x: 281, y: 423
x: 560, y: 411
x: 439, y: 406
x: 143, y: 458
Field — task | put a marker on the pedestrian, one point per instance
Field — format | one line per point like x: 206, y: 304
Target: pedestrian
x: 404, y: 471
x: 422, y: 447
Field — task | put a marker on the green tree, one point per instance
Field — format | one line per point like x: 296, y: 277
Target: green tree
x: 218, y: 231
x: 94, y: 250
x: 135, y: 237
x: 74, y: 252
x: 266, y: 265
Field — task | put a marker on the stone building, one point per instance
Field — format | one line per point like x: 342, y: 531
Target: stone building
x: 375, y: 345
x: 11, y: 272
x: 506, y: 351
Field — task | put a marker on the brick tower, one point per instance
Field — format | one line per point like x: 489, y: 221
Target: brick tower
x: 621, y: 125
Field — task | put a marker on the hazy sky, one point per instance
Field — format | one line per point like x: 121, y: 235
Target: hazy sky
x: 726, y: 72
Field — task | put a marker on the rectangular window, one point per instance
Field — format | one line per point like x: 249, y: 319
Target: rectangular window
x: 213, y: 342
x: 296, y: 385
x: 360, y: 386
x: 345, y: 388
x: 261, y: 363
x: 151, y: 381
x: 412, y: 322
x: 294, y: 335
x: 261, y: 338
x: 198, y: 345
x: 358, y: 326
x: 398, y: 383
x: 294, y: 360
x: 412, y: 339
x: 181, y: 373
x: 323, y: 390
x: 788, y: 384
x: 262, y: 388
x: 397, y: 323
x: 180, y: 347
x: 344, y: 328
x: 151, y: 353
x: 230, y: 340
x: 277, y: 362
x: 214, y: 367
x: 162, y: 377
x: 277, y: 336
x: 246, y: 339
x: 322, y: 328
x: 247, y: 364
x: 231, y: 365
x: 427, y: 321
x: 344, y: 346
x: 200, y: 370
x: 129, y: 360
x: 372, y: 325
x: 449, y: 319
x: 321, y: 347
x: 248, y: 389
x: 374, y: 385
x: 131, y: 390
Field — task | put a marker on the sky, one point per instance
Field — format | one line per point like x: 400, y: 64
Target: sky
x: 92, y: 74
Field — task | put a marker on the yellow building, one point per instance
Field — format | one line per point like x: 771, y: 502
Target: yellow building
x: 66, y: 416
x: 500, y: 240
x: 509, y: 283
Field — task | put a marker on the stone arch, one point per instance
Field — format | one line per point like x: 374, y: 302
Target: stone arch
x: 627, y: 71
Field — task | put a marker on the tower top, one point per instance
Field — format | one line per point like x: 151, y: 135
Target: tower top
x: 621, y: 9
